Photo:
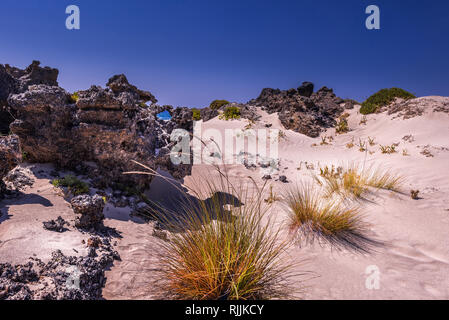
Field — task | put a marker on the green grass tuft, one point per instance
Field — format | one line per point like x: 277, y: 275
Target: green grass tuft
x: 221, y: 252
x: 74, y: 185
x: 356, y: 182
x: 313, y: 217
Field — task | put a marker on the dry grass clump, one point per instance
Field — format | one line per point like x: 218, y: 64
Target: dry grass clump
x: 314, y: 217
x: 272, y: 198
x: 223, y: 253
x: 362, y: 146
x: 388, y: 149
x: 355, y: 181
x: 342, y: 126
x: 350, y: 144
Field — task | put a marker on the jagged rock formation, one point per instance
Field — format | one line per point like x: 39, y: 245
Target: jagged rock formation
x: 302, y: 110
x: 105, y: 127
x: 9, y: 157
x: 14, y: 80
x: 88, y: 211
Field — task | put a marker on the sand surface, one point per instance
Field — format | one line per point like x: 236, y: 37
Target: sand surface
x: 413, y: 261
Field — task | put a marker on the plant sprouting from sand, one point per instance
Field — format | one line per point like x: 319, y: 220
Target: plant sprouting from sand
x: 342, y: 126
x: 362, y: 145
x: 272, y: 198
x: 73, y: 184
x: 364, y: 120
x: 356, y: 182
x: 350, y: 144
x: 313, y: 217
x: 222, y: 253
x: 388, y: 149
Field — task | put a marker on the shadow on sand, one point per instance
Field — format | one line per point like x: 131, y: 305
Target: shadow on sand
x: 19, y: 200
x: 171, y: 205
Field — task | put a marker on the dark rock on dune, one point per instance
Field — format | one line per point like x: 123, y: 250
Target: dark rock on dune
x: 110, y: 127
x: 88, y: 211
x: 306, y: 89
x: 33, y: 75
x: 10, y: 157
x: 61, y: 278
x: 14, y: 80
x: 57, y: 225
x: 120, y: 84
x: 306, y: 115
x: 208, y: 114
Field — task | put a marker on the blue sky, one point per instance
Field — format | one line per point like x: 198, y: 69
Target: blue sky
x: 190, y: 52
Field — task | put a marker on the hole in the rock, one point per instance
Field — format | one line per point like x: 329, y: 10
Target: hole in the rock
x: 165, y: 115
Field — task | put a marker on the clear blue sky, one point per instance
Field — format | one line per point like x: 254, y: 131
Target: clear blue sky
x: 189, y: 52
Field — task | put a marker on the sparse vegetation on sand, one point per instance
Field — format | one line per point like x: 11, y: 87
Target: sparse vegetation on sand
x: 272, y: 198
x: 350, y: 144
x: 356, y: 182
x: 313, y: 217
x: 221, y: 254
x: 388, y: 149
x: 231, y: 113
x: 364, y: 120
x: 73, y: 184
x: 342, y: 125
x: 414, y: 194
x: 217, y: 104
x: 383, y: 98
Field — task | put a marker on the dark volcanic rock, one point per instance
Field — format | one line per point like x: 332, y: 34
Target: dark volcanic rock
x: 111, y: 127
x: 14, y: 80
x: 208, y: 114
x: 57, y: 225
x: 61, y: 278
x: 10, y: 157
x: 88, y: 210
x: 306, y: 89
x: 307, y: 115
x: 33, y: 75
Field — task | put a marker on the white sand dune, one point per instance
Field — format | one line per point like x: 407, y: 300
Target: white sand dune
x: 413, y: 261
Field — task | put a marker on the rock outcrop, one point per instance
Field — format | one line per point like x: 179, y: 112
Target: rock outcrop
x: 9, y: 157
x: 302, y: 110
x: 107, y: 127
x: 14, y: 80
x: 88, y: 211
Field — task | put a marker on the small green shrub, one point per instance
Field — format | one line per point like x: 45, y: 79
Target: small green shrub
x: 231, y: 113
x: 74, y: 97
x: 75, y: 185
x: 217, y: 104
x: 196, y: 114
x: 383, y: 98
